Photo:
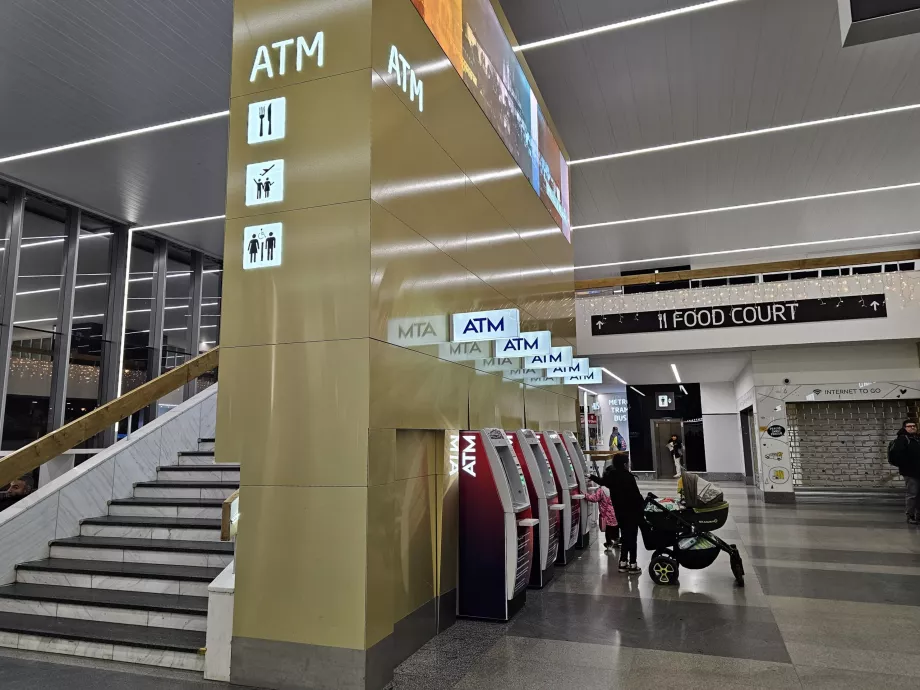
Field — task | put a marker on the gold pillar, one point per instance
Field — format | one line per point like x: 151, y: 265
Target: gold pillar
x: 347, y: 541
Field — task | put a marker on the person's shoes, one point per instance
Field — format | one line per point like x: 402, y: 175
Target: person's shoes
x: 608, y: 544
x: 615, y: 542
x: 623, y: 567
x: 634, y: 569
x: 607, y: 548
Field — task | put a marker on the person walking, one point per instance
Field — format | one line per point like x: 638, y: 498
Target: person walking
x: 607, y: 519
x: 904, y: 453
x: 627, y: 507
x: 617, y: 442
x: 676, y: 448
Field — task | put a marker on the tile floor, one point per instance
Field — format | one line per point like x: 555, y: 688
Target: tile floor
x: 832, y: 600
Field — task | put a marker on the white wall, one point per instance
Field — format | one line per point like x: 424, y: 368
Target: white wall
x: 721, y: 428
x: 855, y: 362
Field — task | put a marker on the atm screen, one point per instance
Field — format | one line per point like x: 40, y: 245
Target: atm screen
x: 515, y: 475
x: 566, y: 462
x: 546, y: 469
x: 581, y: 456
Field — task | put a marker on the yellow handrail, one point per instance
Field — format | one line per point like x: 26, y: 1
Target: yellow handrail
x: 49, y: 446
x: 227, y: 518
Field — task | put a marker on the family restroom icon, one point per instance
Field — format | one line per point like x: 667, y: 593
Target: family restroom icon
x: 262, y: 246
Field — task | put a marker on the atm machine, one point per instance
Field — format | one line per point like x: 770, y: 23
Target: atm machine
x: 544, y: 502
x: 572, y: 498
x: 580, y: 463
x: 496, y: 528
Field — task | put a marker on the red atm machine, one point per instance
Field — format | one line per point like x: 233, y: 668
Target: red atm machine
x: 580, y: 465
x: 496, y: 528
x: 573, y: 499
x: 544, y: 502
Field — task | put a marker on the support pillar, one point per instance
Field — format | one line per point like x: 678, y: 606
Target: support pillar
x: 16, y: 206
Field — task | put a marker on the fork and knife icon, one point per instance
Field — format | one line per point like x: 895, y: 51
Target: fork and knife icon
x: 262, y: 114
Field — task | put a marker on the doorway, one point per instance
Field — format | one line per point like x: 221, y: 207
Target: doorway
x: 747, y: 443
x: 662, y: 430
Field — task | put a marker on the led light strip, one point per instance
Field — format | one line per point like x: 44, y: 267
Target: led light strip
x: 759, y: 204
x: 676, y: 373
x: 744, y: 135
x: 115, y: 137
x: 190, y: 221
x: 624, y: 24
x: 610, y: 373
x: 723, y: 252
x: 586, y: 390
x: 638, y: 391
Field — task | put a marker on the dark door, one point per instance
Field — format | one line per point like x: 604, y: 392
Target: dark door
x: 747, y: 443
x: 662, y: 429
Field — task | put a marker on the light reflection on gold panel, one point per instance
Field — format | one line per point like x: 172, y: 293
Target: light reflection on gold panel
x: 449, y: 531
x: 326, y: 149
x: 415, y: 546
x: 541, y: 409
x: 497, y: 402
x: 301, y: 565
x: 382, y: 559
x: 568, y: 412
x: 381, y: 456
x: 346, y: 25
x: 296, y: 414
x: 409, y: 390
x: 319, y: 292
x: 416, y: 454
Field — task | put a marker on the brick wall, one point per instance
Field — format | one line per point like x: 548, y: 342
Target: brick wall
x: 845, y: 443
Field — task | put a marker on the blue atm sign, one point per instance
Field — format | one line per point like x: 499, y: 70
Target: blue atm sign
x: 557, y: 357
x: 526, y: 344
x: 485, y: 325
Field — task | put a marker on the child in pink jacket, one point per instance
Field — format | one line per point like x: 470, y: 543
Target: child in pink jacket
x: 607, y: 521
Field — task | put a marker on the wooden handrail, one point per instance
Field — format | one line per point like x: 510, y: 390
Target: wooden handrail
x: 226, y: 516
x: 751, y: 269
x: 49, y: 446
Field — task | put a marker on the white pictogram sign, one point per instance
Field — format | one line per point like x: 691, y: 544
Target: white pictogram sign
x: 264, y: 183
x: 262, y: 246
x: 267, y: 120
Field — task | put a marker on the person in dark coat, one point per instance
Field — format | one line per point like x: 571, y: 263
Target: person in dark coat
x: 628, y: 505
x: 905, y: 455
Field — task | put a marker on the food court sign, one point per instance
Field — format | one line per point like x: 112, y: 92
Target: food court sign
x: 740, y: 315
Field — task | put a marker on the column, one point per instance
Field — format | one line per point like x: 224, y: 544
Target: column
x: 157, y: 317
x: 114, y: 333
x: 12, y: 246
x: 195, y: 286
x: 61, y: 370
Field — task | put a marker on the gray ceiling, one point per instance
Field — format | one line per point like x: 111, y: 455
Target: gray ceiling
x: 77, y: 69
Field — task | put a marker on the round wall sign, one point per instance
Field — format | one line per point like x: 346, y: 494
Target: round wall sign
x: 776, y: 430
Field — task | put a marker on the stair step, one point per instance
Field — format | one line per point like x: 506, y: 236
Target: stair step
x: 196, y: 453
x: 148, y: 527
x: 166, y: 603
x: 158, y: 506
x: 115, y: 641
x: 212, y: 472
x: 210, y: 554
x: 207, y: 440
x: 155, y: 578
x: 185, y: 489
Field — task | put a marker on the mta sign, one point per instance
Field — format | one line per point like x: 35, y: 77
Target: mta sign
x: 594, y: 375
x: 486, y: 325
x: 579, y: 365
x: 499, y: 364
x: 526, y: 344
x: 557, y: 357
x: 542, y: 381
x: 417, y: 330
x: 463, y: 352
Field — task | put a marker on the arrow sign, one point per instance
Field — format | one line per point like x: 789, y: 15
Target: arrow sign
x: 874, y: 305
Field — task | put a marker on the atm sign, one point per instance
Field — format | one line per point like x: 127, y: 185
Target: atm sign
x: 485, y: 325
x: 529, y: 344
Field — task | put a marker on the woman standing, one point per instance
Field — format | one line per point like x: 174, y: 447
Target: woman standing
x: 677, y: 453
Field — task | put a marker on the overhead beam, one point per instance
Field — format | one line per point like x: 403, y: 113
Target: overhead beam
x: 751, y: 269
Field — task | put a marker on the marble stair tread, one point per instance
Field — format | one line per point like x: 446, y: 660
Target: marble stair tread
x: 207, y: 440
x: 160, y: 571
x: 169, y: 501
x: 195, y: 453
x: 187, y: 484
x: 221, y: 547
x: 167, y: 603
x: 142, y: 521
x: 106, y: 633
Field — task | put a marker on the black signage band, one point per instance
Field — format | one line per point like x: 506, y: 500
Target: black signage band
x: 740, y: 315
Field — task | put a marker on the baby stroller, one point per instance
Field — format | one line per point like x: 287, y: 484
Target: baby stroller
x: 680, y: 534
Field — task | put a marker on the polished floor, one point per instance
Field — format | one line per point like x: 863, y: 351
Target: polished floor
x: 832, y: 600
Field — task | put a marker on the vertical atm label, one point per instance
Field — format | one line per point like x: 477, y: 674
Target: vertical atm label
x: 265, y: 61
x: 406, y: 78
x: 453, y: 455
x: 468, y: 455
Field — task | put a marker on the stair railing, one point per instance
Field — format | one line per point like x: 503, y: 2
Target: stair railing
x: 34, y: 455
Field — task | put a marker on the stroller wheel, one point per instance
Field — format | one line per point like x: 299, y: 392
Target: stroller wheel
x: 737, y: 566
x: 664, y: 570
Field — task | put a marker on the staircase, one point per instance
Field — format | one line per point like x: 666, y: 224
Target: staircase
x: 134, y: 585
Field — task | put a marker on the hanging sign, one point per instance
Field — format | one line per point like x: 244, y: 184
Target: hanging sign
x: 486, y: 325
x: 533, y: 343
x: 739, y: 315
x: 579, y: 365
x: 557, y: 357
x: 499, y: 364
x: 463, y: 352
x: 594, y: 375
x: 415, y: 331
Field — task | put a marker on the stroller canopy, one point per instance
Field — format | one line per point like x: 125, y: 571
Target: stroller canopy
x: 698, y: 492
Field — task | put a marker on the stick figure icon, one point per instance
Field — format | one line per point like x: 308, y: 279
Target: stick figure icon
x: 254, y: 246
x: 270, y: 243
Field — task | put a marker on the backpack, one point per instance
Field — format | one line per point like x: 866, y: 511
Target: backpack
x: 893, y: 458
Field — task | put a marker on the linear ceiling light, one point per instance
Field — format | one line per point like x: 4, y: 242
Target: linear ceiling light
x: 115, y: 137
x: 722, y: 252
x: 587, y: 391
x: 743, y: 135
x: 610, y: 373
x: 624, y: 24
x: 638, y: 391
x: 190, y: 221
x: 684, y: 390
x: 676, y: 373
x: 759, y: 204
